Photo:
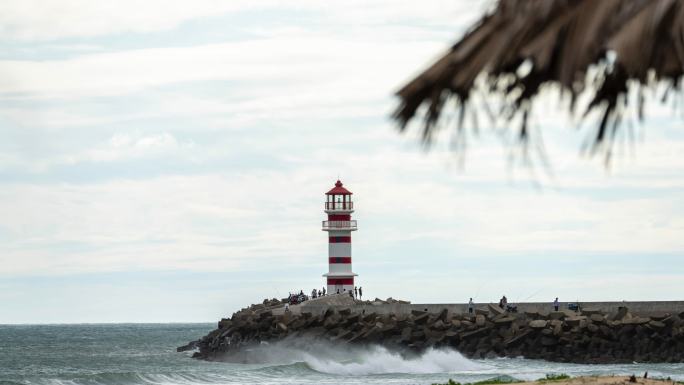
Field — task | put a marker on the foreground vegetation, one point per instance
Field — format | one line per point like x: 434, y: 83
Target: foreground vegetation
x: 564, y: 379
x: 509, y: 380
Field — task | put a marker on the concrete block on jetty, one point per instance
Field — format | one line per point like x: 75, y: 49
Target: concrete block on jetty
x: 601, y: 333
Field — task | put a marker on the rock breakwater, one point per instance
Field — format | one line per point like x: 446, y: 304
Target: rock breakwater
x: 587, y: 336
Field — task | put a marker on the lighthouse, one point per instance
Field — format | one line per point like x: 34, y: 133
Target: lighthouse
x: 339, y: 206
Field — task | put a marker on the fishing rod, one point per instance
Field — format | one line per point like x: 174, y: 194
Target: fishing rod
x: 478, y: 291
x: 533, y: 294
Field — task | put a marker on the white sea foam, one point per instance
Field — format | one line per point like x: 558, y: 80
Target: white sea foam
x: 378, y: 360
x: 347, y: 360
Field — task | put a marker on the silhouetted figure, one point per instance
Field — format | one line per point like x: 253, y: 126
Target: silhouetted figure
x: 470, y: 306
x: 323, y: 290
x: 351, y: 293
x: 338, y: 291
x: 360, y: 292
x: 555, y: 304
x: 356, y: 291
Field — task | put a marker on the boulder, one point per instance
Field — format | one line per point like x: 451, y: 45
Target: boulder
x: 557, y: 315
x: 636, y: 321
x: 504, y: 320
x: 557, y: 329
x: 517, y: 339
x: 658, y: 315
x: 190, y: 346
x: 406, y: 334
x: 475, y: 333
x: 495, y: 309
x: 442, y: 316
x: 224, y: 323
x: 621, y: 314
x: 538, y: 324
x: 598, y: 318
x: 533, y: 314
x: 417, y: 313
x: 352, y: 319
x: 421, y: 319
x: 576, y: 320
x: 589, y: 311
x: 265, y: 314
x: 438, y: 325
x: 479, y: 320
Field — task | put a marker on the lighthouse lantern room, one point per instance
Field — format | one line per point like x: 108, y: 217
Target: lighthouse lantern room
x: 339, y: 226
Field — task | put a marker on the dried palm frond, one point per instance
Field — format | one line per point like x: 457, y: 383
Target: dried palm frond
x: 628, y: 43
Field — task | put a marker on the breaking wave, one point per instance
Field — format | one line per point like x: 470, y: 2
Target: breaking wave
x: 345, y: 360
x: 378, y: 360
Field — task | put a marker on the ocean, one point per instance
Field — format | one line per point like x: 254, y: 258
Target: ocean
x: 96, y: 354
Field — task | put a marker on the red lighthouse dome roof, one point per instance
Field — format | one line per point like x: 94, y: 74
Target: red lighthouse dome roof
x: 338, y: 190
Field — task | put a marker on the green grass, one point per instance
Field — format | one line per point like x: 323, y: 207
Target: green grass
x: 450, y: 382
x: 506, y: 380
x: 554, y: 377
x: 491, y: 381
x: 496, y: 381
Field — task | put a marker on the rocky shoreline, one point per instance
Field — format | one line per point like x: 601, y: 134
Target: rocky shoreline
x: 588, y: 336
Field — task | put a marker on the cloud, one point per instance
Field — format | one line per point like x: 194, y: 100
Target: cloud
x: 213, y: 157
x: 304, y: 60
x: 57, y: 19
x: 239, y: 220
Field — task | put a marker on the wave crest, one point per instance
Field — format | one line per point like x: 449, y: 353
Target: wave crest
x: 336, y: 359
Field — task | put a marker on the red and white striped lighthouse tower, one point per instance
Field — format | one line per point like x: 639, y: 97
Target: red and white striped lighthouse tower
x: 339, y: 226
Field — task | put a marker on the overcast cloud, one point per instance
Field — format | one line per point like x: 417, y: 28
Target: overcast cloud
x: 166, y: 161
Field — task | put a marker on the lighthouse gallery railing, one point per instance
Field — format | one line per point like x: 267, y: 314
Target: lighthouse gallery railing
x: 342, y: 225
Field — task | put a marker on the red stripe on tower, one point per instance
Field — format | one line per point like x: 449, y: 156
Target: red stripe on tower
x: 339, y: 217
x: 340, y: 281
x: 339, y: 259
x: 339, y: 239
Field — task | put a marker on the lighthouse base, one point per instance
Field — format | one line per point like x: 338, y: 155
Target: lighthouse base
x: 341, y: 285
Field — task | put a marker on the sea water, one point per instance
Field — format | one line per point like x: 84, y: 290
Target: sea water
x: 146, y: 354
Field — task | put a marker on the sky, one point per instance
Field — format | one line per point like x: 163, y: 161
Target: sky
x: 166, y: 161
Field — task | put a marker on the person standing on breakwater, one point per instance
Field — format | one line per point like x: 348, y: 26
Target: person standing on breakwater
x: 555, y: 304
x: 360, y: 292
x: 356, y: 292
x: 470, y: 306
x: 323, y: 290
